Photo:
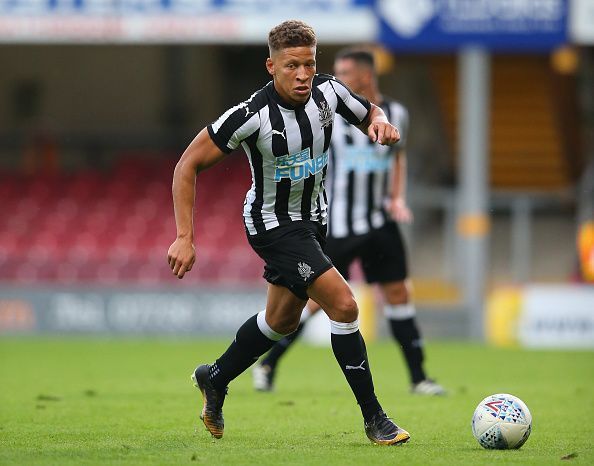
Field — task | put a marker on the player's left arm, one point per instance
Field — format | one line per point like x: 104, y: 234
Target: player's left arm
x: 373, y: 122
x: 397, y: 204
x: 378, y: 128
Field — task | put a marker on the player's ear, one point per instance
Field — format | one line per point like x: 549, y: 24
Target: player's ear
x: 270, y: 66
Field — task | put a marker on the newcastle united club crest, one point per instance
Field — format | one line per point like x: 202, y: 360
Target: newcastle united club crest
x: 326, y: 115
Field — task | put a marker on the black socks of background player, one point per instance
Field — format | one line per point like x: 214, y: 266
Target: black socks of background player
x: 404, y: 329
x: 253, y: 339
x: 277, y: 351
x: 349, y: 350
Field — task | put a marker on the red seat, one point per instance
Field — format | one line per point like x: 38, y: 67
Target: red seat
x: 116, y: 227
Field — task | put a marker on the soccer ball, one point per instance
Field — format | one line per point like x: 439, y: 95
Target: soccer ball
x: 501, y: 421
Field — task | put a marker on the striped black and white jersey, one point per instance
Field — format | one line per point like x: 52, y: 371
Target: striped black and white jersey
x: 287, y: 148
x: 359, y: 175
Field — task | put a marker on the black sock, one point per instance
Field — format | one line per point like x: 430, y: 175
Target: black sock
x: 280, y: 347
x: 407, y: 334
x: 249, y: 344
x: 349, y: 350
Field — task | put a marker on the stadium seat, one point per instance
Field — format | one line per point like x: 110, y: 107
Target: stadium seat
x: 115, y: 226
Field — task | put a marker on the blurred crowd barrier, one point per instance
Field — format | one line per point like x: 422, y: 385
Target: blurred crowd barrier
x: 212, y: 311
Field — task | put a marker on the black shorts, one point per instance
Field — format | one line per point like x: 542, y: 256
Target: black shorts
x: 381, y: 251
x: 294, y: 254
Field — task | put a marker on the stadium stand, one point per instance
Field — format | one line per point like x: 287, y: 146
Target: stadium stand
x: 114, y: 227
x: 530, y: 148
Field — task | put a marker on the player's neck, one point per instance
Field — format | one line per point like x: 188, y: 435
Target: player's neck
x: 373, y: 95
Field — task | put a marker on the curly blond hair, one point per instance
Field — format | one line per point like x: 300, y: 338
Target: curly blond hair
x: 291, y: 33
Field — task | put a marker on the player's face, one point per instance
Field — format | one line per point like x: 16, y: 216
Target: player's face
x: 351, y: 73
x: 293, y: 70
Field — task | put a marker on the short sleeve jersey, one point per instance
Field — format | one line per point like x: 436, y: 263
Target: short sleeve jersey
x: 359, y: 175
x: 288, y: 149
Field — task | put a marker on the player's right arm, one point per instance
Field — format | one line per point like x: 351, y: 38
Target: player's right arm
x: 397, y: 204
x: 200, y: 154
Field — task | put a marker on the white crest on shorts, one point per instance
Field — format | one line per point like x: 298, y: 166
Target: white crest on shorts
x: 304, y: 270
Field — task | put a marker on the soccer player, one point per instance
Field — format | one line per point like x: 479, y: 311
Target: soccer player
x: 367, y: 192
x: 285, y: 130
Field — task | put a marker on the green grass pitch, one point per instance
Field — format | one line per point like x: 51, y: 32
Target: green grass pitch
x: 118, y: 401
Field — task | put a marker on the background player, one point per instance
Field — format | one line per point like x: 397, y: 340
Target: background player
x: 285, y: 129
x: 367, y: 190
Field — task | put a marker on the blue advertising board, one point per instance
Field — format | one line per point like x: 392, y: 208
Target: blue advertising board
x: 446, y: 25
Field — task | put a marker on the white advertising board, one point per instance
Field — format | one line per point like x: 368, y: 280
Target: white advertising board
x: 557, y: 316
x: 581, y: 22
x: 179, y: 21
